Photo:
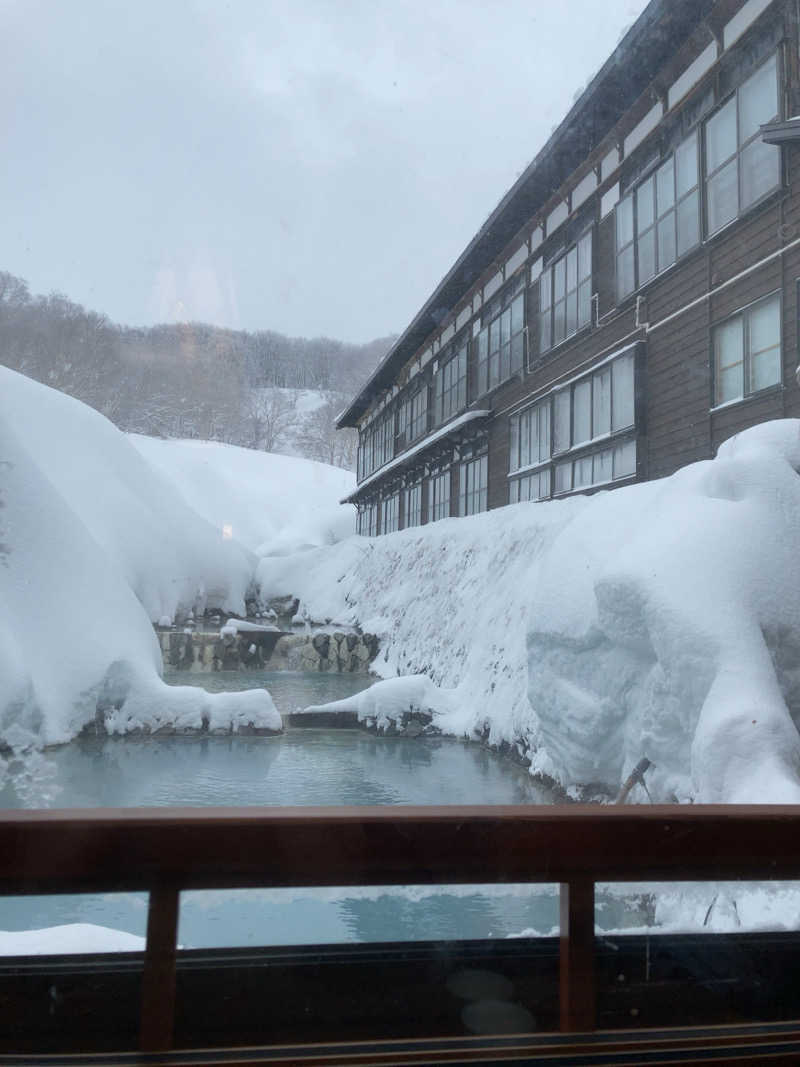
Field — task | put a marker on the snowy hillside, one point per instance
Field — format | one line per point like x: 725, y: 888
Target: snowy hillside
x: 659, y: 621
x: 96, y: 544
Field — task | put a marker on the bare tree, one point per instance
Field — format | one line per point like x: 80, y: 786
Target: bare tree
x: 319, y: 439
x: 267, y: 417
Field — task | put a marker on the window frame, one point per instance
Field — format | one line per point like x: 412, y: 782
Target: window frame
x: 473, y: 499
x: 744, y: 313
x: 451, y: 398
x: 439, y: 502
x: 501, y: 357
x: 550, y: 301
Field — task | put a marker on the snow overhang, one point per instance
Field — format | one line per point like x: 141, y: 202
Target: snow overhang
x: 421, y: 446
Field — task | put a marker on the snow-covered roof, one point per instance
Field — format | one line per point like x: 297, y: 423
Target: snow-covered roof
x: 426, y: 442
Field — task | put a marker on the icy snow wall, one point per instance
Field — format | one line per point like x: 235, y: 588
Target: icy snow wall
x: 658, y: 620
x: 95, y: 545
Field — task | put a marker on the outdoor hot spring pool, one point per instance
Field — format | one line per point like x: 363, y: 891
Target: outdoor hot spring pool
x: 301, y: 766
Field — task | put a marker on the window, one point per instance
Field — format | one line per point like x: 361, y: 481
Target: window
x: 390, y: 514
x: 659, y: 220
x: 377, y: 445
x: 530, y: 437
x: 412, y: 505
x: 530, y: 487
x: 501, y: 341
x: 747, y: 351
x: 601, y: 403
x: 607, y: 465
x: 439, y: 496
x: 565, y: 295
x: 740, y: 168
x: 450, y: 385
x: 472, y: 495
x: 368, y: 520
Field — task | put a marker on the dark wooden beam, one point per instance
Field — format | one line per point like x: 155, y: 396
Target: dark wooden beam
x: 158, y: 976
x: 576, y: 964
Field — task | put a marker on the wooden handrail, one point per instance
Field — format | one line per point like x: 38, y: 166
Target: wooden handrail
x: 166, y: 850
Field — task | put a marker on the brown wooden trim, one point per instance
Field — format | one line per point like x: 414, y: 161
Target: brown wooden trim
x: 158, y: 977
x: 576, y: 964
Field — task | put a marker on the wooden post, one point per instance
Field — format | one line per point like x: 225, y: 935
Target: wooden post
x: 158, y: 979
x: 576, y: 951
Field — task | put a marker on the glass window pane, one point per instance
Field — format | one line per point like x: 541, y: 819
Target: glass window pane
x: 601, y: 402
x: 559, y: 322
x: 517, y: 347
x: 665, y: 186
x: 603, y: 467
x: 688, y: 223
x: 582, y: 412
x: 622, y: 394
x: 722, y: 197
x: 758, y: 100
x: 582, y: 472
x: 585, y: 303
x: 645, y: 207
x: 625, y: 221
x: 494, y: 336
x: 572, y: 313
x: 513, y: 491
x: 626, y: 278
x: 765, y: 369
x: 513, y: 459
x: 729, y: 360
x: 563, y: 477
x: 544, y: 290
x: 517, y: 316
x: 544, y: 484
x: 561, y: 422
x: 760, y: 171
x: 585, y: 256
x: 625, y: 459
x: 647, y: 256
x: 764, y: 325
x: 559, y: 275
x: 686, y: 165
x: 721, y: 136
x: 505, y: 326
x: 572, y: 269
x: 666, y: 241
x: 545, y: 325
x: 544, y: 431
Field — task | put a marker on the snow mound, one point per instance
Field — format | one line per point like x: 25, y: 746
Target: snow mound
x: 67, y: 940
x: 94, y: 547
x: 271, y: 504
x: 660, y: 620
x: 387, y: 702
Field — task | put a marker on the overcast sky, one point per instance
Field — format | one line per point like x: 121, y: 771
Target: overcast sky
x: 308, y: 166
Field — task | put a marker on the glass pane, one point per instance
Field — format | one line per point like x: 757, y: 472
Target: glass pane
x: 582, y: 473
x: 505, y: 326
x: 622, y: 398
x: 559, y: 275
x: 686, y: 165
x: 765, y: 369
x: 758, y: 100
x: 505, y: 362
x: 603, y: 467
x: 722, y: 197
x: 572, y: 269
x: 645, y: 207
x: 517, y: 314
x: 764, y: 325
x: 626, y: 279
x: 665, y: 186
x: 625, y: 221
x: 494, y: 336
x: 601, y: 402
x: 585, y: 256
x: 517, y: 346
x: 729, y: 359
x: 760, y: 171
x: 544, y: 431
x: 545, y: 338
x: 572, y: 313
x: 585, y: 303
x: 544, y: 484
x: 625, y: 459
x: 563, y: 477
x: 513, y: 491
x: 513, y: 459
x: 666, y: 241
x: 559, y: 322
x: 582, y: 412
x: 544, y: 290
x: 647, y: 256
x: 688, y: 223
x: 721, y: 136
x: 561, y: 424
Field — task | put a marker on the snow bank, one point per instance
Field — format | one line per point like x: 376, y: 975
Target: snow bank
x: 95, y: 546
x: 271, y: 504
x: 658, y: 620
x: 70, y: 939
x: 388, y: 701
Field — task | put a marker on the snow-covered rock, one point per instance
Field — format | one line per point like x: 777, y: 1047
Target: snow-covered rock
x: 658, y: 620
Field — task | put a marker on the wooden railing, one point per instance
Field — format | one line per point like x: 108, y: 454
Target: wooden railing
x: 166, y: 850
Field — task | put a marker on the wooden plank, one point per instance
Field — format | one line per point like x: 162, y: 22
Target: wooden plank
x: 577, y: 1006
x: 158, y: 977
x: 110, y: 849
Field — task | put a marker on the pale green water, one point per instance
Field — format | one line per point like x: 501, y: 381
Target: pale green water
x: 323, y: 767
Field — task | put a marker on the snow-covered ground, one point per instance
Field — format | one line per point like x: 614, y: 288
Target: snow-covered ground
x: 660, y: 620
x: 70, y: 939
x: 97, y: 542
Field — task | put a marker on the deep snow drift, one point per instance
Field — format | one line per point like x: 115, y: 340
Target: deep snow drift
x: 96, y: 544
x: 659, y: 620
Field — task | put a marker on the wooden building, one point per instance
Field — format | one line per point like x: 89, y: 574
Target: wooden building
x: 632, y: 300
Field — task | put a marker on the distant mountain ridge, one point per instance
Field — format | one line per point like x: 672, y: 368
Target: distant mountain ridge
x: 258, y: 389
